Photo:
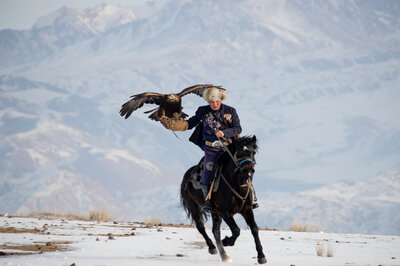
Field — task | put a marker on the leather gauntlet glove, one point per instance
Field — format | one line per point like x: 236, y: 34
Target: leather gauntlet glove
x: 174, y: 124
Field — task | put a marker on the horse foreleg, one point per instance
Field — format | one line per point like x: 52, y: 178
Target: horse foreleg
x: 249, y: 217
x: 230, y: 241
x: 216, y: 229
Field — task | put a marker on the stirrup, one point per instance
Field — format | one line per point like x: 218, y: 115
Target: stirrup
x: 255, y: 205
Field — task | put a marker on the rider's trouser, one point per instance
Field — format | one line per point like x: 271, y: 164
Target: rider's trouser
x: 211, y: 154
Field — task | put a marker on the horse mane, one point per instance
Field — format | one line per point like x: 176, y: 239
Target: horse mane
x: 248, y: 141
x: 251, y: 142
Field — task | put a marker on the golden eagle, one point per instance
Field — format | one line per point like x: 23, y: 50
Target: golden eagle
x: 170, y: 105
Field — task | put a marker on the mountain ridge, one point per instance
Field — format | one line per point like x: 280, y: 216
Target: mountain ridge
x: 316, y: 84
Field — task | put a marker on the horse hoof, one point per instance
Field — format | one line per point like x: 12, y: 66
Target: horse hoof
x: 226, y: 242
x: 212, y: 251
x: 262, y: 260
x: 226, y: 258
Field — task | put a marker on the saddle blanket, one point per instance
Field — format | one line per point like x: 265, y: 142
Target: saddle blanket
x: 196, y: 174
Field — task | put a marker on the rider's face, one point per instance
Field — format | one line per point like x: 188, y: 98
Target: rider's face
x: 215, y: 105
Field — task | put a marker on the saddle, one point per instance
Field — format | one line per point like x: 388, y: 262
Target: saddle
x: 197, y: 172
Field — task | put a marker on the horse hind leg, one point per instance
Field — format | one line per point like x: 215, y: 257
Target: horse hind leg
x: 198, y: 220
x: 217, y: 235
x: 211, y: 248
x: 200, y: 227
x: 230, y: 241
x: 188, y: 200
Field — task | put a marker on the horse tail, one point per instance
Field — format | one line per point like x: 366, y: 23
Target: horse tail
x: 189, y: 205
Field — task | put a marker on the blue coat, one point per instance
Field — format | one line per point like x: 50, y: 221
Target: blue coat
x: 228, y: 115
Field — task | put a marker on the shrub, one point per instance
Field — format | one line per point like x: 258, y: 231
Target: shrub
x: 324, y: 249
x: 297, y: 226
x: 153, y: 220
x: 100, y: 215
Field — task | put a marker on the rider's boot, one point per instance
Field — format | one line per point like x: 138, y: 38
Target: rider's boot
x: 206, y: 206
x: 255, y: 205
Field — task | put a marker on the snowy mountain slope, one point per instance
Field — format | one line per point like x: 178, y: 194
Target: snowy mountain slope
x: 99, y: 19
x: 310, y: 91
x: 317, y: 82
x: 58, y: 30
x: 58, y: 168
x: 371, y: 205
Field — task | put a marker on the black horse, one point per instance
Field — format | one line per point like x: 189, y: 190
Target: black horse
x: 234, y: 195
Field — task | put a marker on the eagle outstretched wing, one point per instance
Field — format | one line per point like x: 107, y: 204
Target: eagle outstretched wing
x: 170, y: 105
x: 198, y: 89
x: 139, y: 100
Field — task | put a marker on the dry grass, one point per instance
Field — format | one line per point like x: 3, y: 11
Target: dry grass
x: 57, y: 215
x: 298, y: 226
x: 324, y: 249
x: 104, y: 216
x: 330, y: 250
x: 35, y: 248
x: 320, y: 248
x: 13, y: 230
x: 94, y: 215
x: 100, y: 215
x: 153, y: 220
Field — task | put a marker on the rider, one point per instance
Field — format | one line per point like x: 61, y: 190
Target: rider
x: 213, y: 122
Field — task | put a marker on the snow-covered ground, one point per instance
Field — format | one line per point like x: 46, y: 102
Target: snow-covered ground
x: 138, y: 244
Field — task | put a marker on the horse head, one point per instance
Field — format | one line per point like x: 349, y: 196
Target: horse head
x: 245, y: 149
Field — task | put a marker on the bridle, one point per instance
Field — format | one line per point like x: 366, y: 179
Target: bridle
x: 239, y: 162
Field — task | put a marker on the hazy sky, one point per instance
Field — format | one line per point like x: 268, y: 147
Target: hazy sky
x: 22, y: 14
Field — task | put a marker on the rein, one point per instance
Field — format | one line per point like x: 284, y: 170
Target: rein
x: 227, y: 150
x: 248, y: 184
x: 238, y: 162
x: 235, y: 160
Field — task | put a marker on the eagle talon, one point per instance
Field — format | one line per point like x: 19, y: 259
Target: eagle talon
x: 176, y: 116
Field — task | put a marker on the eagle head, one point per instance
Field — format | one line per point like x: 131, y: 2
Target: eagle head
x: 173, y: 97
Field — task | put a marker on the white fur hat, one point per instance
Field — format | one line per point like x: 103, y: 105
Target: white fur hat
x: 214, y: 94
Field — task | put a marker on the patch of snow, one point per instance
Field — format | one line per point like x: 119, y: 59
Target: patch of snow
x: 98, y: 19
x: 117, y: 154
x: 105, y: 15
x: 47, y: 20
x: 56, y: 185
x: 38, y: 157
